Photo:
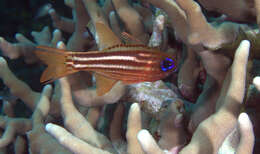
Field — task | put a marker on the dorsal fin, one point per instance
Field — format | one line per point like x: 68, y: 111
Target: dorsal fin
x: 130, y: 39
x: 105, y: 37
x: 108, y: 41
x: 127, y: 47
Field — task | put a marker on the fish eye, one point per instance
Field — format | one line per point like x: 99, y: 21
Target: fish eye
x: 167, y: 64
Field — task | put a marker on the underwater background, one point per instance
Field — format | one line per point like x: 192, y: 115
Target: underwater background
x: 196, y: 108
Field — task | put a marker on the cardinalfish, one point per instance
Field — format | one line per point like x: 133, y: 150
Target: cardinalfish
x: 115, y: 62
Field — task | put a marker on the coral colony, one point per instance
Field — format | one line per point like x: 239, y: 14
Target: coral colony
x: 206, y: 103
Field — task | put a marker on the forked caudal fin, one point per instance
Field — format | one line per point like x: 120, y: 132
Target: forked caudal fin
x: 55, y: 59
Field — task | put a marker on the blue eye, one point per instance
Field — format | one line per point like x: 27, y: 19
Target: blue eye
x: 167, y: 64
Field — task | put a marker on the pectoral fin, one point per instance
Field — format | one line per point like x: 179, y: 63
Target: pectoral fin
x: 103, y: 84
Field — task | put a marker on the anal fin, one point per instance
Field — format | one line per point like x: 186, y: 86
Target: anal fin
x: 103, y: 84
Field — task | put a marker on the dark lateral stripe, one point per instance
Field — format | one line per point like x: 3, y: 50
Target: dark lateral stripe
x: 134, y: 77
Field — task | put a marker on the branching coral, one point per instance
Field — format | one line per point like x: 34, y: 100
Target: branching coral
x: 131, y: 18
x: 68, y: 120
x: 12, y: 127
x: 37, y: 135
x: 24, y: 47
x: 83, y: 132
x: 244, y: 9
x: 256, y: 83
x: 226, y: 115
x: 18, y: 87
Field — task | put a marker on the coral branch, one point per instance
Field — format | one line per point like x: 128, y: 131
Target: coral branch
x: 256, y: 83
x: 78, y: 42
x: 134, y: 125
x: 240, y: 10
x: 95, y: 12
x: 228, y: 112
x: 37, y: 136
x: 24, y: 48
x: 17, y: 87
x: 176, y: 15
x: 131, y: 19
x: 200, y: 31
x: 71, y: 142
x: 189, y: 74
x: 20, y: 145
x: 148, y: 143
x: 70, y: 114
x: 14, y: 51
x: 13, y: 126
x: 247, y: 138
x: 62, y: 23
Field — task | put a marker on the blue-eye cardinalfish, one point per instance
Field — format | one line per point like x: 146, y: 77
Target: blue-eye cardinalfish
x: 114, y: 62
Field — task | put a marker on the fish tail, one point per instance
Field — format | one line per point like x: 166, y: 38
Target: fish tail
x: 55, y: 59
